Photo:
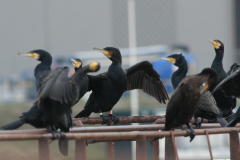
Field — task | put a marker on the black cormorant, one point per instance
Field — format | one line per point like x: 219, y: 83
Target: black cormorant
x: 40, y: 72
x: 58, y: 93
x: 107, y: 88
x: 226, y: 104
x: 206, y: 106
x: 183, y: 102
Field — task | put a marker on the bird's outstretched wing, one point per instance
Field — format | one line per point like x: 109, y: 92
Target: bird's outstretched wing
x: 94, y: 81
x: 228, y: 78
x: 57, y: 86
x: 143, y: 76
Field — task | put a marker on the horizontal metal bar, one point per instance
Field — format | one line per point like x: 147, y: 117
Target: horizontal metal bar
x: 127, y: 119
x: 117, y: 128
x: 107, y: 135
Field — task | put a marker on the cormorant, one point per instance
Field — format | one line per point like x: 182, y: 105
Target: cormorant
x: 183, y: 102
x: 226, y: 104
x: 107, y: 88
x: 206, y: 106
x: 58, y: 93
x: 40, y: 72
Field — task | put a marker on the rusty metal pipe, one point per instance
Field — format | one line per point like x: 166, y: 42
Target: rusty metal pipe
x: 110, y: 129
x: 107, y: 136
x: 127, y: 119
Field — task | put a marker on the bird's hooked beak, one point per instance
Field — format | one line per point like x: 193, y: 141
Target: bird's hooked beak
x: 75, y: 63
x: 105, y: 52
x: 94, y: 66
x: 171, y: 60
x: 30, y: 54
x: 215, y: 44
x: 204, y: 88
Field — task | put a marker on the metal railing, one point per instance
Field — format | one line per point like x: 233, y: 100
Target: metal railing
x: 86, y: 135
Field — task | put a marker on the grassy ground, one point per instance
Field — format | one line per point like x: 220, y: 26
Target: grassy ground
x: 28, y: 150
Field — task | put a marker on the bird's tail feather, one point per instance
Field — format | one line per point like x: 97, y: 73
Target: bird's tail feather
x: 13, y: 125
x: 63, y: 146
x: 222, y: 121
x: 83, y: 113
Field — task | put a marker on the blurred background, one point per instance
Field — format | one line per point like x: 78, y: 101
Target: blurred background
x: 72, y: 28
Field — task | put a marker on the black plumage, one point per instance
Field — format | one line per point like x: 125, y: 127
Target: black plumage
x: 33, y: 115
x: 183, y: 102
x: 206, y: 106
x: 58, y: 93
x: 231, y: 87
x: 40, y: 72
x: 226, y: 104
x: 231, y: 84
x: 107, y: 88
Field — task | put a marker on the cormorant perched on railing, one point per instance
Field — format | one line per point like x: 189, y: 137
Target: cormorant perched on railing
x: 32, y: 116
x: 206, y: 106
x: 58, y: 93
x: 40, y: 72
x: 183, y: 102
x: 226, y: 104
x: 107, y: 88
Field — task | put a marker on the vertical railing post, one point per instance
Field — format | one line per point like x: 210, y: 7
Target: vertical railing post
x: 169, y: 149
x: 209, y: 145
x: 43, y: 149
x: 80, y: 146
x: 111, y: 154
x: 155, y: 146
x: 141, y: 148
x: 234, y: 146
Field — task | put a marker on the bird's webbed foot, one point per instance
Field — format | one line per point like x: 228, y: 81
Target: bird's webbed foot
x: 106, y: 119
x: 211, y: 120
x: 196, y: 123
x: 190, y: 132
x: 53, y: 131
x: 115, y: 119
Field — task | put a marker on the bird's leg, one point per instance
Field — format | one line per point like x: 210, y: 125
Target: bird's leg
x: 52, y: 129
x: 195, y: 122
x: 211, y: 121
x: 192, y: 132
x: 105, y: 118
x: 115, y: 119
x: 188, y: 131
x: 200, y: 122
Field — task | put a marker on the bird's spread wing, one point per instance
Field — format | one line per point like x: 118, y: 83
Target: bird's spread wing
x: 207, y: 103
x: 57, y: 86
x: 143, y: 76
x: 232, y: 75
x: 94, y: 81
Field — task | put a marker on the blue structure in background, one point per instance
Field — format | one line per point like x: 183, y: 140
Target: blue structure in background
x: 165, y: 69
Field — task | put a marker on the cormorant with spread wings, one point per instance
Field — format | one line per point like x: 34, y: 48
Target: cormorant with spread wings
x: 107, y: 88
